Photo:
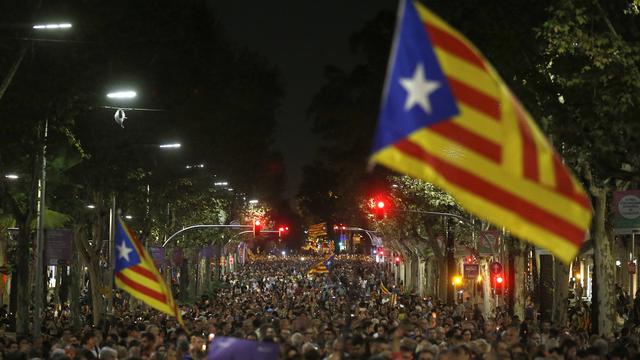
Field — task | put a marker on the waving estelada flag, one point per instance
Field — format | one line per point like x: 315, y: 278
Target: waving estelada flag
x: 449, y: 119
x: 136, y: 273
x: 323, y: 267
x: 383, y: 289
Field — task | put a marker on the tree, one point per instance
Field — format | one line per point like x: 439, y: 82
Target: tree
x: 590, y: 78
x: 343, y: 114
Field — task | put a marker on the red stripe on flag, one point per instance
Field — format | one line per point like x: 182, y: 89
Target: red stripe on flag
x: 453, y: 45
x: 141, y: 288
x: 495, y: 194
x: 474, y: 98
x: 144, y: 272
x: 529, y: 150
x: 468, y: 139
x: 564, y: 185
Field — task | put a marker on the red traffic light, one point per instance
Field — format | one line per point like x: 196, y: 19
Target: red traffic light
x: 499, y: 279
x: 257, y: 227
x: 281, y: 229
x: 380, y: 252
x: 379, y: 209
x: 397, y: 260
x: 286, y: 228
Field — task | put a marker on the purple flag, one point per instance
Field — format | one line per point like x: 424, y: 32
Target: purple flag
x: 158, y: 255
x: 227, y: 348
x: 58, y: 247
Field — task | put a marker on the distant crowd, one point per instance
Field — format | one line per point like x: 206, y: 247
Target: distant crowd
x: 340, y: 315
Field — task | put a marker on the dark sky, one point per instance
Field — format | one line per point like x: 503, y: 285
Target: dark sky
x: 301, y: 37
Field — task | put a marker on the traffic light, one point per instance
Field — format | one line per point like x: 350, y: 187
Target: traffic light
x: 380, y: 209
x: 498, y: 283
x: 257, y: 227
x: 397, y: 260
x: 380, y: 251
x: 280, y: 232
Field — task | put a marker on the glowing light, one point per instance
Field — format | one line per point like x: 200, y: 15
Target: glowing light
x: 380, y: 204
x: 127, y: 94
x: 52, y: 26
x: 12, y: 176
x: 170, y: 146
x: 128, y: 217
x: 91, y: 206
x: 457, y: 280
x: 499, y: 279
x: 254, y: 201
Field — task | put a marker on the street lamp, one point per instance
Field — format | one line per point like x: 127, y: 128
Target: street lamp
x: 170, y: 146
x: 220, y: 183
x: 12, y: 176
x: 120, y: 95
x: 253, y: 202
x: 52, y: 26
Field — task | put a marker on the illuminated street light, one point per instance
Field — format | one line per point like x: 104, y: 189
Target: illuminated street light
x: 91, y: 206
x: 52, y: 26
x: 457, y: 280
x: 221, y: 183
x: 12, y: 176
x: 126, y: 94
x: 128, y: 217
x: 253, y: 202
x: 170, y: 146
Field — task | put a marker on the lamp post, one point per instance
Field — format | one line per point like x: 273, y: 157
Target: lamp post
x: 23, y: 51
x: 39, y: 278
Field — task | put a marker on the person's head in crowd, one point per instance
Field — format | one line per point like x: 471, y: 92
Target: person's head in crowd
x: 108, y: 353
x: 89, y: 340
x: 147, y: 343
x: 86, y: 354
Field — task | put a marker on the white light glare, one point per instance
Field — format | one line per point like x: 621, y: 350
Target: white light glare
x: 91, y: 206
x: 12, y: 176
x: 52, y: 26
x: 170, y: 146
x: 128, y: 217
x: 129, y: 94
x: 254, y: 201
x: 221, y: 183
x: 284, y: 253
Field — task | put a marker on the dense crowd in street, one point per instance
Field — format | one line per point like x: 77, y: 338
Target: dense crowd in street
x: 340, y: 315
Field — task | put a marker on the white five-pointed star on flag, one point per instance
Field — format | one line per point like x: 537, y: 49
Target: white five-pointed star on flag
x: 123, y: 251
x: 418, y: 89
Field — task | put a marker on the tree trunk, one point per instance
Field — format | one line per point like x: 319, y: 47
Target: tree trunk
x: 95, y: 279
x: 604, y: 265
x: 75, y: 281
x: 184, y: 278
x: 443, y: 284
x: 487, y: 299
x: 560, y: 293
x: 451, y: 264
x: 518, y: 284
x: 22, y: 273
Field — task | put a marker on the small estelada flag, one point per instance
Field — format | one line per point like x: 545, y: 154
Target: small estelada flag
x: 136, y: 273
x: 449, y: 119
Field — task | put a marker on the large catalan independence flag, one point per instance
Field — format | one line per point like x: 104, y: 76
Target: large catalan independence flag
x: 449, y: 119
x: 136, y: 273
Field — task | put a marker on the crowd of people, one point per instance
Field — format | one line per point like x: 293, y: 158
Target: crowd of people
x: 339, y: 315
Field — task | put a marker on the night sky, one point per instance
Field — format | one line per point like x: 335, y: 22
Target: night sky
x: 301, y: 38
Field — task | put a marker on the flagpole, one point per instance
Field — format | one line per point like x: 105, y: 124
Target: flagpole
x: 112, y: 258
